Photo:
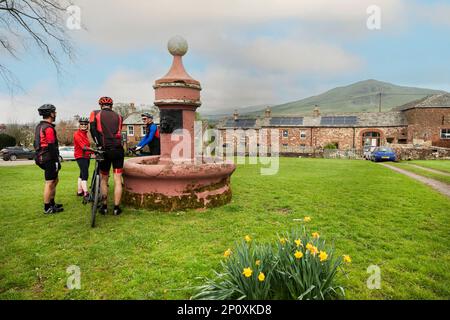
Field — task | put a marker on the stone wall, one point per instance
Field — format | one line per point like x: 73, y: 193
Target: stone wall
x: 410, y: 152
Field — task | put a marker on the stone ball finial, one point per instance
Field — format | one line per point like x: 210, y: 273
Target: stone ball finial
x: 177, y: 46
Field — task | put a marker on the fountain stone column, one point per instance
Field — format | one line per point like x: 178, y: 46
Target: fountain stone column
x: 176, y: 180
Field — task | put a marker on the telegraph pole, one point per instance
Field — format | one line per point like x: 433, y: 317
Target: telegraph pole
x: 381, y: 90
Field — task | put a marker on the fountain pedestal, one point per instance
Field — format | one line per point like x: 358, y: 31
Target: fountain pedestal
x: 173, y: 180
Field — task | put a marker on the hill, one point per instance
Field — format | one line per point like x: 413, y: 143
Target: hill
x: 363, y: 96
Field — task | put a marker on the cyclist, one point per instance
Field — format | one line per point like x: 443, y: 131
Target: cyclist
x: 106, y: 126
x: 151, y: 138
x: 47, y: 156
x: 82, y: 155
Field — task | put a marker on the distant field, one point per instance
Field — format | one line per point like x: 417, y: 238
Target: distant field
x: 375, y: 215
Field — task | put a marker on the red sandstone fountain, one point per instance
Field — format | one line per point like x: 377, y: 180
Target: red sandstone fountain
x: 176, y: 180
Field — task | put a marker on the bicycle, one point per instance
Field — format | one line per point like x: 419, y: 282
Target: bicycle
x: 94, y: 189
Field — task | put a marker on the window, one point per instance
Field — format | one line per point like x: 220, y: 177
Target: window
x: 371, y: 139
x: 445, y: 134
x: 285, y: 146
x: 390, y: 140
x: 285, y: 133
x: 303, y: 135
x: 130, y: 130
x: 144, y: 130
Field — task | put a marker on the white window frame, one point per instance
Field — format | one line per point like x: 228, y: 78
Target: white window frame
x: 130, y: 132
x: 303, y: 135
x: 287, y: 133
x: 446, y: 135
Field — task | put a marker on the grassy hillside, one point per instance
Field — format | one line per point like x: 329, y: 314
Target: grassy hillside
x: 358, y: 97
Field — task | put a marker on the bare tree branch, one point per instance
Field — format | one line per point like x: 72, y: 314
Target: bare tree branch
x: 42, y: 21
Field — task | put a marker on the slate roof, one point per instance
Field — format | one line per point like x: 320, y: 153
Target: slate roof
x: 135, y: 118
x: 433, y: 101
x: 348, y: 120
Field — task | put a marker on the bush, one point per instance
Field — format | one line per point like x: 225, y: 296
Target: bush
x: 331, y: 146
x: 298, y: 267
x: 6, y: 141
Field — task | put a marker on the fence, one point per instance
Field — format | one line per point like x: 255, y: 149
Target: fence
x: 353, y: 154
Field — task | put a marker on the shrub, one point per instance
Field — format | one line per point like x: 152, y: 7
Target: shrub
x: 299, y: 266
x: 331, y: 146
x: 6, y: 141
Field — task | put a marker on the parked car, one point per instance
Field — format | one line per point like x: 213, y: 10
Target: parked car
x: 383, y: 154
x: 368, y: 150
x: 14, y: 153
x: 66, y: 153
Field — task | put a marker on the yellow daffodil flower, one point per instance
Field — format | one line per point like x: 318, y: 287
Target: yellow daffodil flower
x: 307, y: 219
x: 283, y: 241
x: 347, y: 259
x: 261, y: 277
x: 248, y: 238
x: 316, y: 235
x: 323, y: 256
x: 258, y: 262
x: 247, y: 272
x: 298, y: 242
x: 298, y: 254
x: 227, y: 253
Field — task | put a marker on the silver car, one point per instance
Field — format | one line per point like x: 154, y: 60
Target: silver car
x: 66, y: 153
x: 368, y: 150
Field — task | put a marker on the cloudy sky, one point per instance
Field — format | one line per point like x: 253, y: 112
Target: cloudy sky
x: 244, y: 52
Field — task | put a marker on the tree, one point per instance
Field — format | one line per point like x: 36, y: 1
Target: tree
x: 64, y: 131
x: 23, y: 134
x: 6, y: 141
x: 42, y: 22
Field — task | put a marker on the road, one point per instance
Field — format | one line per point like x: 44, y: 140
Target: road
x: 15, y: 163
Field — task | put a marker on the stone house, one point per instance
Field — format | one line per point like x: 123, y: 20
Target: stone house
x: 425, y: 121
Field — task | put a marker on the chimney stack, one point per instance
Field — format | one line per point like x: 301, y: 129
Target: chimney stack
x: 268, y: 113
x: 132, y: 107
x: 235, y: 115
x: 316, y: 111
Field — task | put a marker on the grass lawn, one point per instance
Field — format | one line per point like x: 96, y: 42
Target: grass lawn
x: 375, y: 215
x: 443, y: 165
x: 437, y: 176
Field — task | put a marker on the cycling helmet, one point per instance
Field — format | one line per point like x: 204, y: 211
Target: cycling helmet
x: 46, y: 109
x: 83, y: 120
x: 147, y: 115
x: 105, y: 101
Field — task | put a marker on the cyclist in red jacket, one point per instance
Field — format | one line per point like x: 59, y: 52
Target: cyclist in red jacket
x: 47, y: 156
x: 82, y: 155
x: 106, y: 127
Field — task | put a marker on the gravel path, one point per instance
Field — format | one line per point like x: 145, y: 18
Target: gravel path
x: 15, y: 163
x: 437, y: 185
x: 431, y: 170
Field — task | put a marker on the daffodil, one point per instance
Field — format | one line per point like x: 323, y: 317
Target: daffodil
x: 316, y: 235
x: 347, y: 259
x: 298, y: 254
x: 258, y: 262
x: 307, y: 219
x: 312, y: 249
x: 323, y: 256
x: 261, y: 277
x: 247, y: 272
x: 298, y: 242
x: 227, y: 253
x: 248, y: 238
x: 283, y: 241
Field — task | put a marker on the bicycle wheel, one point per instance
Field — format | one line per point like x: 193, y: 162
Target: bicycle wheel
x: 95, y: 199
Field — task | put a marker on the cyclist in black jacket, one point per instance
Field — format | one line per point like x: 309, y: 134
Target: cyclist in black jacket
x: 47, y: 156
x: 106, y: 127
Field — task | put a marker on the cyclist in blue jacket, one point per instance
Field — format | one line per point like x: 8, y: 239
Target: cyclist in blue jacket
x: 151, y: 138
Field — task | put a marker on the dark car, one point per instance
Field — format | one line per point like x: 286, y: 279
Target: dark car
x: 14, y: 153
x: 383, y: 154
